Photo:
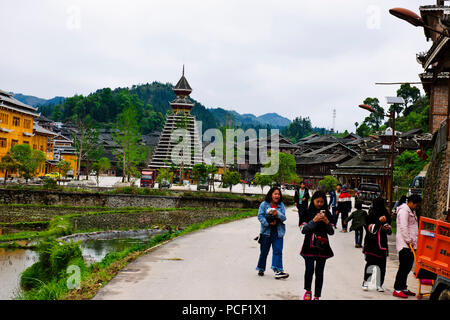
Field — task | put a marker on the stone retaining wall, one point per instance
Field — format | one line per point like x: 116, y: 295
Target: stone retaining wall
x: 11, y: 214
x: 10, y: 196
x: 436, y: 182
x: 114, y: 221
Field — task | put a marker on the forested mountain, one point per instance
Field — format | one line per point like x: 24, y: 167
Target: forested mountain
x: 35, y: 101
x: 152, y: 102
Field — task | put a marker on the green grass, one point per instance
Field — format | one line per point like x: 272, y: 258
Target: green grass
x: 97, y: 275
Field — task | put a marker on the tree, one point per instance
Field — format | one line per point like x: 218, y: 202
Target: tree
x: 127, y: 136
x: 99, y: 166
x: 29, y: 160
x: 298, y: 128
x: 286, y: 169
x: 212, y: 170
x: 410, y: 95
x: 200, y: 171
x: 407, y: 166
x: 85, y: 142
x: 363, y: 130
x: 8, y: 164
x: 375, y: 119
x: 63, y: 167
x: 329, y: 182
x: 231, y: 178
x: 164, y: 174
x: 262, y: 180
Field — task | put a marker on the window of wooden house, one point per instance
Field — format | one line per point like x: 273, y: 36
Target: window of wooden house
x: 34, y: 147
x: 16, y: 121
x: 3, y: 143
x: 14, y: 142
x: 4, y: 117
x: 26, y: 142
x: 41, y: 148
x: 27, y: 124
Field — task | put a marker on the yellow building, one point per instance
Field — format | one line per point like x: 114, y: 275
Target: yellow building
x: 17, y: 126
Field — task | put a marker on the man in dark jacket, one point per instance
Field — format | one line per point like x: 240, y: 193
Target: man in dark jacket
x: 301, y: 198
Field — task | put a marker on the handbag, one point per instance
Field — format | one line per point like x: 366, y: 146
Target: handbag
x: 319, y: 242
x: 258, y: 238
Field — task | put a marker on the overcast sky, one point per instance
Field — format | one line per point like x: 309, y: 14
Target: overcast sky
x: 296, y: 58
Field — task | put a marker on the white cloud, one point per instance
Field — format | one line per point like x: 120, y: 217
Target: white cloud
x: 296, y: 58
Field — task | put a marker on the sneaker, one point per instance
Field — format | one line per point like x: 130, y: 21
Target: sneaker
x: 380, y: 289
x: 316, y: 298
x: 260, y: 273
x: 365, y: 287
x: 281, y: 275
x: 409, y: 293
x: 399, y: 294
x: 307, y: 295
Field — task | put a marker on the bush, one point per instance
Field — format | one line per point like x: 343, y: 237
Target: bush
x: 329, y: 182
x: 50, y: 183
x: 54, y: 258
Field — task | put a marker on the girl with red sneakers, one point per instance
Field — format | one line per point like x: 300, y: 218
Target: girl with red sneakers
x: 316, y: 226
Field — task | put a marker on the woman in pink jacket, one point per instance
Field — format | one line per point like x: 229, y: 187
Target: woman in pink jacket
x: 407, y: 231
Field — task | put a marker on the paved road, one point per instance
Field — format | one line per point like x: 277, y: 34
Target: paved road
x: 219, y: 264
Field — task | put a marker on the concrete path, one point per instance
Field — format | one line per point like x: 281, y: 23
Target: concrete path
x: 219, y: 264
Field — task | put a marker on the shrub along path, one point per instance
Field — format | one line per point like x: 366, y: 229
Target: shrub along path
x: 219, y: 263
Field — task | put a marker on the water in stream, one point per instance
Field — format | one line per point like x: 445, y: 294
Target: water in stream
x: 14, y: 261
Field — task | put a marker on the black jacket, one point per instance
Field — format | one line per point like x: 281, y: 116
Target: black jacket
x: 306, y: 196
x: 312, y: 230
x: 376, y: 241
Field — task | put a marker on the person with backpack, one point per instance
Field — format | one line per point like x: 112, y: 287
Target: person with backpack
x: 271, y: 216
x: 358, y: 218
x: 316, y: 226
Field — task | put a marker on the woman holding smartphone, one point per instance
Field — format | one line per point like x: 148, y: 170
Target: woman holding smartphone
x: 316, y: 249
x: 271, y: 215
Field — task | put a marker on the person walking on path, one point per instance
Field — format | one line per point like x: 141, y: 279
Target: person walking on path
x: 301, y: 198
x: 407, y: 232
x: 358, y: 218
x: 333, y: 204
x: 344, y: 206
x: 378, y: 227
x: 271, y: 215
x: 316, y: 227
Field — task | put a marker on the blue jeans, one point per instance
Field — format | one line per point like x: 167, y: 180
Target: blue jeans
x: 359, y: 235
x: 277, y: 250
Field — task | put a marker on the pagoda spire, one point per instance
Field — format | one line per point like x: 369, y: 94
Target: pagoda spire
x: 182, y: 89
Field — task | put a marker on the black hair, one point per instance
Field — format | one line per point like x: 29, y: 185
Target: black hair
x: 268, y: 198
x: 302, y: 182
x: 414, y: 198
x: 379, y: 209
x: 312, y: 210
x: 402, y: 200
x: 358, y: 205
x: 318, y: 194
x: 340, y: 185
